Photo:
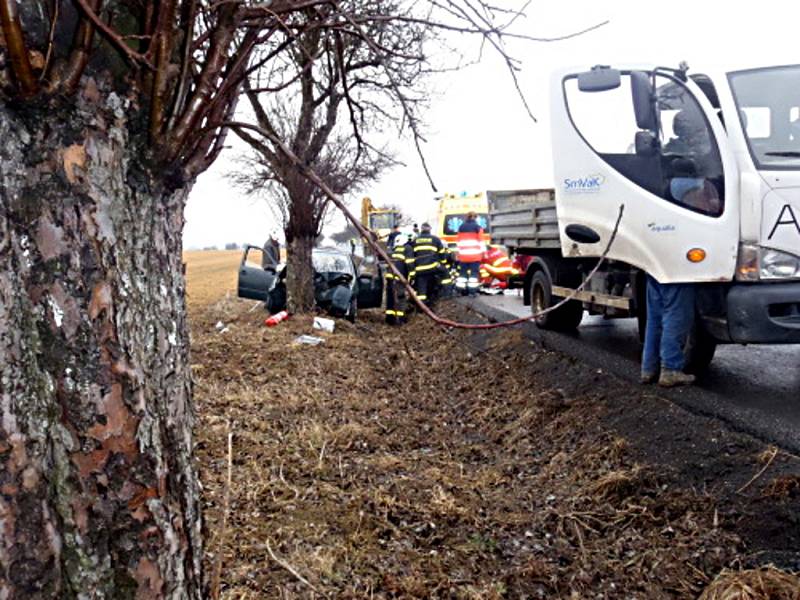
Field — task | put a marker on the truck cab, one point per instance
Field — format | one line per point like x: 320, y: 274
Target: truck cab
x: 707, y: 167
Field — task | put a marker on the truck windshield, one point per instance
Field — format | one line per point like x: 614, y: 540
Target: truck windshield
x: 381, y: 221
x: 769, y: 109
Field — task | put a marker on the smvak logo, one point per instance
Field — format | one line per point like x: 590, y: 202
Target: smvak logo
x: 587, y: 184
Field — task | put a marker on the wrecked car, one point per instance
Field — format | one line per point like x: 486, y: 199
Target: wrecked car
x: 340, y: 289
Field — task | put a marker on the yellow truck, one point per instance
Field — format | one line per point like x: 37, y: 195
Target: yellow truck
x: 379, y: 221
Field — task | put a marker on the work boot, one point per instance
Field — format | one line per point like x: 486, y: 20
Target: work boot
x: 671, y: 378
x: 647, y: 377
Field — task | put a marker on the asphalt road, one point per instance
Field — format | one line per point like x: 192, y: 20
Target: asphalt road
x: 755, y: 389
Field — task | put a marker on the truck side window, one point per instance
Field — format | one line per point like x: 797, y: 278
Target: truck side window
x: 679, y: 163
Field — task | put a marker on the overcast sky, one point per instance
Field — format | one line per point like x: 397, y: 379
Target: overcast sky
x: 480, y: 136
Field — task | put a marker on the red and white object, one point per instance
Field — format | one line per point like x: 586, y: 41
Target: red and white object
x: 276, y: 318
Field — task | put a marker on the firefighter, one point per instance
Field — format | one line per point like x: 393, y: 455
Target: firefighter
x: 470, y: 248
x: 446, y: 273
x: 428, y: 251
x: 497, y: 266
x: 403, y: 259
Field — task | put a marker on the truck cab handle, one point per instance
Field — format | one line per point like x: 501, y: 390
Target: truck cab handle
x: 582, y: 234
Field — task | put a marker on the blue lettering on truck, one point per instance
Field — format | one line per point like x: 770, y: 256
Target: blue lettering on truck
x: 588, y: 184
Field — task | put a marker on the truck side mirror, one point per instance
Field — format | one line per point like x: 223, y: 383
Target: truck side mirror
x: 646, y: 144
x: 599, y: 79
x: 643, y: 100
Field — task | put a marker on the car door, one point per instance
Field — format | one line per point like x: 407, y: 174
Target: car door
x: 369, y: 288
x: 616, y: 142
x: 255, y: 281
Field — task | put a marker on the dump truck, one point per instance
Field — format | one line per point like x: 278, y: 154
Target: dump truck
x: 707, y: 168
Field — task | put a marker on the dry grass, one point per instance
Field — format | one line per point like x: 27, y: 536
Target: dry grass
x: 755, y: 584
x: 408, y: 463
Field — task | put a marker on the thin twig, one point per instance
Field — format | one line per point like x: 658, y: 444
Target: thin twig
x: 289, y: 568
x: 322, y: 454
x: 111, y: 35
x: 760, y: 473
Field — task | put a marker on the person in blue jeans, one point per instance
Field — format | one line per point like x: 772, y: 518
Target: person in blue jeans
x: 670, y: 317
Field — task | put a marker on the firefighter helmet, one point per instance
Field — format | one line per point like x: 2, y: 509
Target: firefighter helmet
x: 400, y: 240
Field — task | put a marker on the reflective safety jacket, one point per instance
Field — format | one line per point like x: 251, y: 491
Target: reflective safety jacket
x: 497, y: 264
x: 403, y: 259
x: 469, y: 244
x: 428, y: 252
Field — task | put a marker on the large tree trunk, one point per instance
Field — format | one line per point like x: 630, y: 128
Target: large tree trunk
x: 98, y: 494
x: 300, y: 274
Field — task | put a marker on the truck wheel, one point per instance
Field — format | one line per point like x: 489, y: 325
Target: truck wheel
x: 699, y: 350
x: 565, y: 318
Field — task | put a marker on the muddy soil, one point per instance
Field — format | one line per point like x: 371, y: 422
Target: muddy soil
x: 416, y: 462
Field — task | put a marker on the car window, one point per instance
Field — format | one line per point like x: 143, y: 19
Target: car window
x: 332, y: 263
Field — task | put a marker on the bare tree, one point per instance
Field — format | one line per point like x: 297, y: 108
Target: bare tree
x: 320, y: 97
x: 109, y: 109
x: 403, y: 219
x: 345, y: 235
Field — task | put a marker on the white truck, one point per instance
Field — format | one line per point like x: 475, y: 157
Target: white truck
x: 707, y: 166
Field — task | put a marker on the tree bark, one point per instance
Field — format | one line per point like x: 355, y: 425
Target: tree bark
x: 300, y: 274
x: 98, y: 494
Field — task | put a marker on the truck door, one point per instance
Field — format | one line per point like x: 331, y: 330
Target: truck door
x: 650, y: 141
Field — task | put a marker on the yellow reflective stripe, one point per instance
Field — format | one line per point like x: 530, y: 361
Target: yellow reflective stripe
x: 499, y: 261
x: 391, y: 312
x: 409, y: 260
x: 422, y: 296
x: 433, y: 265
x: 430, y: 248
x: 400, y: 313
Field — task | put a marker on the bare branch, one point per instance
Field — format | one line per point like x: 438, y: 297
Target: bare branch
x: 17, y: 50
x: 111, y: 35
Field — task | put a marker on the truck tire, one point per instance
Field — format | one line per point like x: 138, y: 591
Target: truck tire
x: 564, y: 318
x: 641, y: 306
x: 699, y: 349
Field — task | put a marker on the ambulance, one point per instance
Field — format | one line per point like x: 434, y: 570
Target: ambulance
x: 452, y: 210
